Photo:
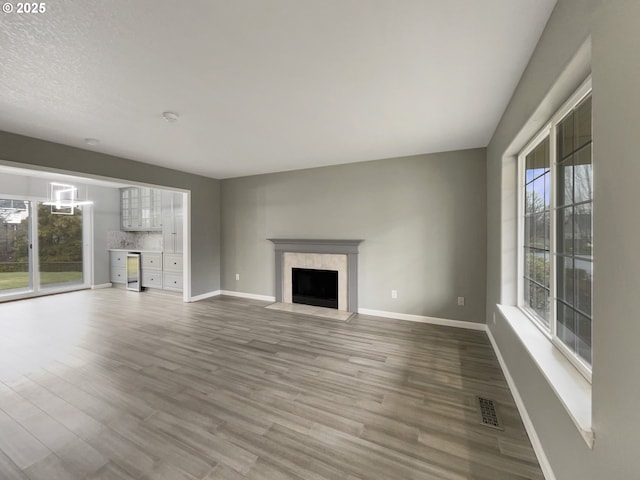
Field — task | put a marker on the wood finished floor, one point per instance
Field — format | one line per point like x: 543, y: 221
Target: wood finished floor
x: 110, y: 384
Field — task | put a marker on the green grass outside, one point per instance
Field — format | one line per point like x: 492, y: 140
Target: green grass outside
x: 21, y: 279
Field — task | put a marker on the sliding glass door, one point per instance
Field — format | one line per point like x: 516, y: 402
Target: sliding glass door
x: 15, y: 241
x: 40, y: 251
x: 60, y: 247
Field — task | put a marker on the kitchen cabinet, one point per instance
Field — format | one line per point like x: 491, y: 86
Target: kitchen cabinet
x: 172, y: 222
x: 118, y: 267
x: 157, y: 269
x: 172, y: 271
x: 173, y: 262
x: 140, y: 209
x: 171, y: 281
x: 172, y: 240
x: 151, y: 269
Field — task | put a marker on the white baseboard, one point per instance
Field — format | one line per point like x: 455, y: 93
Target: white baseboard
x: 205, y: 295
x: 528, y: 424
x: 252, y: 296
x: 422, y: 319
x: 102, y: 285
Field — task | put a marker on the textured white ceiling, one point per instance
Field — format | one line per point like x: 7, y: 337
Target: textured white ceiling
x: 265, y: 85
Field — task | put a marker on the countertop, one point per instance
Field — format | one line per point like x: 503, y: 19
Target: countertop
x: 133, y: 250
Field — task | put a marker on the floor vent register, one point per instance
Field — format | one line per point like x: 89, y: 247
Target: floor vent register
x: 488, y: 414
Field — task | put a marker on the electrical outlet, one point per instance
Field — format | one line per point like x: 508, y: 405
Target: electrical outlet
x: 461, y: 301
x: 394, y: 294
x: 237, y: 276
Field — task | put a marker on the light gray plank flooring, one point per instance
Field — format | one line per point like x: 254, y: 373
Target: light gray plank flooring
x: 111, y: 384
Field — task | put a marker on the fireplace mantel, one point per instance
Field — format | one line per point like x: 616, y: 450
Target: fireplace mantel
x: 316, y: 246
x: 323, y: 246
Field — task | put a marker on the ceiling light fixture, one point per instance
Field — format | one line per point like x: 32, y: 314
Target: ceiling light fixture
x: 170, y: 117
x: 63, y: 199
x: 91, y: 141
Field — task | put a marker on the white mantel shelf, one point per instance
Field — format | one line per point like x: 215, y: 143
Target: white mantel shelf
x: 305, y: 245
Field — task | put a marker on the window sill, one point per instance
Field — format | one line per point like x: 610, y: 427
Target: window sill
x: 573, y: 390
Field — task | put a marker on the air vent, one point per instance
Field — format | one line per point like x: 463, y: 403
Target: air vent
x: 488, y: 415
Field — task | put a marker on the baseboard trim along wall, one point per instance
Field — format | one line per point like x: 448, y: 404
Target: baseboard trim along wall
x: 197, y: 298
x: 102, y: 285
x: 423, y: 319
x: 252, y: 296
x: 528, y: 424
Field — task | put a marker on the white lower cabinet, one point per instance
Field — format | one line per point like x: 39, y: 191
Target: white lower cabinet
x: 172, y: 272
x: 118, y: 275
x: 151, y: 264
x: 151, y: 261
x: 118, y: 267
x: 152, y: 279
x: 173, y: 262
x: 158, y: 270
x: 171, y: 281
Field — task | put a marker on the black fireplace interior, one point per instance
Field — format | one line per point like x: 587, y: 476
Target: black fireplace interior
x: 315, y: 287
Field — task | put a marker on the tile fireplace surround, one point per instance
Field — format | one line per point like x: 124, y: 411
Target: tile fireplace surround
x: 339, y: 255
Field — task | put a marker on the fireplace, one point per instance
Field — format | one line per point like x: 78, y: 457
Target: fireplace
x: 315, y: 287
x: 338, y: 256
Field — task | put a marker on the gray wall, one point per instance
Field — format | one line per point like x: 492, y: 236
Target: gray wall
x: 615, y: 64
x: 422, y: 220
x: 106, y: 217
x: 205, y: 193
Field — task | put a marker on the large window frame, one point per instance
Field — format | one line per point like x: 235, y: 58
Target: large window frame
x: 549, y: 133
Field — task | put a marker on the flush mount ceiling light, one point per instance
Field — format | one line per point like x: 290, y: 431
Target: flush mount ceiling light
x: 170, y: 117
x: 91, y: 141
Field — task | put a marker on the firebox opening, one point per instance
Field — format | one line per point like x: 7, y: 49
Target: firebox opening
x: 315, y: 287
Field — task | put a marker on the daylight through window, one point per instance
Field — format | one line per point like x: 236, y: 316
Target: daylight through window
x: 556, y: 230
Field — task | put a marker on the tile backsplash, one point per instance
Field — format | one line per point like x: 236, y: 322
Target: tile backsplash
x: 135, y: 240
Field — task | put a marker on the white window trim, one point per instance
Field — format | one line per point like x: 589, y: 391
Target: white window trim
x: 548, y: 130
x: 569, y: 385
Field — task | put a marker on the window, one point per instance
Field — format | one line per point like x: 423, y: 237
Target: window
x: 537, y: 244
x: 556, y: 259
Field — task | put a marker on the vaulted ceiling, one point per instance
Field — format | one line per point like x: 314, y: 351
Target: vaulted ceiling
x: 265, y: 85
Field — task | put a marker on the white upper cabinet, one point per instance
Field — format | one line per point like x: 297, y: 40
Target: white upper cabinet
x: 172, y: 222
x: 140, y: 209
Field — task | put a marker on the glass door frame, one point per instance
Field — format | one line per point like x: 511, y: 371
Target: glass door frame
x: 34, y: 288
x: 20, y: 291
